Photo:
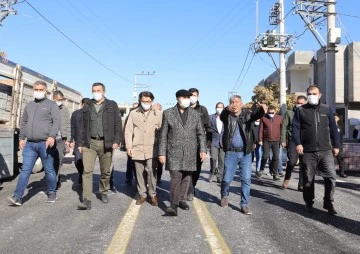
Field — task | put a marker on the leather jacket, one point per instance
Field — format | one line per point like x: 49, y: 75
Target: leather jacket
x: 245, y: 120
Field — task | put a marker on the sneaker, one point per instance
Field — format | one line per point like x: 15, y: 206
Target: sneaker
x: 330, y: 208
x: 281, y: 174
x: 246, y: 210
x: 224, y: 203
x: 85, y: 205
x: 285, y: 184
x: 258, y: 174
x: 51, y: 198
x: 14, y: 200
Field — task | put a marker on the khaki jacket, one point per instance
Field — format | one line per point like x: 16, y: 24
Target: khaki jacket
x: 141, y: 133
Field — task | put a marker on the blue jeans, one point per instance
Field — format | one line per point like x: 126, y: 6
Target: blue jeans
x: 32, y: 151
x: 258, y: 155
x: 232, y: 161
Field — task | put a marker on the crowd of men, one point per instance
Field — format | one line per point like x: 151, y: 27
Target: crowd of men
x: 178, y: 139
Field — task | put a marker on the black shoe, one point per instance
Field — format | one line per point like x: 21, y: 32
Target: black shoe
x: 330, y: 208
x: 218, y: 179
x: 276, y: 178
x: 183, y: 205
x: 309, y: 208
x: 300, y: 188
x: 85, y: 205
x: 171, y: 210
x: 343, y: 175
x: 104, y: 198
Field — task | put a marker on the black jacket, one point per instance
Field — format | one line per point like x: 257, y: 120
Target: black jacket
x: 245, y: 121
x: 205, y: 119
x: 314, y: 128
x: 111, y: 124
x: 75, y: 121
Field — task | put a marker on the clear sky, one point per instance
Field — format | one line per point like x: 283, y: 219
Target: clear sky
x: 188, y: 43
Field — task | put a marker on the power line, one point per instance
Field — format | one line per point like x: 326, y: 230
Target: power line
x: 78, y: 46
x: 258, y: 55
x: 252, y: 58
x: 348, y: 15
x: 242, y: 69
x: 208, y: 35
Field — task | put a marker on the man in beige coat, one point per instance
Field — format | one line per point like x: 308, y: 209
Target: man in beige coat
x: 141, y: 139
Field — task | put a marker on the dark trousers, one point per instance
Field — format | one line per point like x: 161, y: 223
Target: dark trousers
x: 292, y: 159
x: 217, y: 161
x: 274, y: 146
x: 159, y: 170
x: 195, y: 175
x: 130, y: 169
x: 179, y: 184
x: 324, y: 162
x: 78, y: 163
x: 59, y: 155
x: 340, y: 160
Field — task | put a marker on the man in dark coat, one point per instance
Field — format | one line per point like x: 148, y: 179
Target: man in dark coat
x: 75, y: 121
x: 99, y: 134
x: 181, y: 136
x: 194, y: 103
x: 317, y: 142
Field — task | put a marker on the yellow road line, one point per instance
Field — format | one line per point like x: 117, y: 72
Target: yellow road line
x: 122, y: 235
x: 213, y: 235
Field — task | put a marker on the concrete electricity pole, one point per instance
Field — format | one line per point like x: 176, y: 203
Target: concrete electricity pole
x: 311, y: 12
x: 272, y: 42
x: 282, y: 60
x: 330, y: 55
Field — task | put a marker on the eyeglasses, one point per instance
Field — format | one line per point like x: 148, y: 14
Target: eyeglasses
x: 148, y: 102
x: 271, y: 112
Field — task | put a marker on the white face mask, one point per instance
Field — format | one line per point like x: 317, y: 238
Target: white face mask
x: 97, y: 96
x: 59, y: 103
x: 145, y: 106
x: 271, y: 115
x: 313, y: 99
x: 257, y: 123
x: 193, y: 100
x: 184, y: 103
x: 219, y: 110
x: 39, y: 95
x: 298, y: 105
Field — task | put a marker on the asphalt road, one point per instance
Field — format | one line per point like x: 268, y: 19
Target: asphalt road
x: 279, y: 223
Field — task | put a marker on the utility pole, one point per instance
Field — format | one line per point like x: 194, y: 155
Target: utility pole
x: 273, y: 42
x: 313, y: 13
x: 6, y: 9
x: 282, y: 60
x: 330, y: 55
x: 138, y: 86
